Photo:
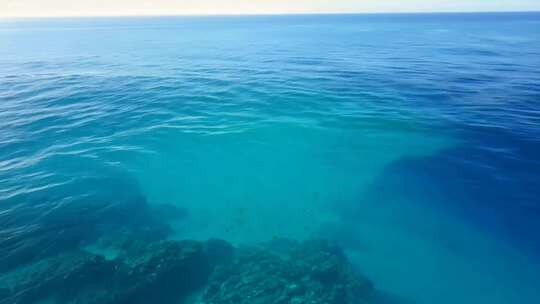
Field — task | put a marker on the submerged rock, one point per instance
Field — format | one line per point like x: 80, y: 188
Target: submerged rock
x: 166, y: 273
x: 288, y: 272
x: 63, y: 279
x: 69, y: 227
x: 170, y: 272
x: 219, y: 252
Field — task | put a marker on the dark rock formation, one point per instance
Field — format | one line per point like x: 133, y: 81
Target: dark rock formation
x: 280, y: 272
x: 166, y: 273
x: 63, y: 278
x: 314, y: 272
x: 68, y: 228
x: 219, y: 252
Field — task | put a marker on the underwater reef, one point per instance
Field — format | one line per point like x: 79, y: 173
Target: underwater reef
x: 122, y: 253
x: 284, y: 271
x: 211, y: 272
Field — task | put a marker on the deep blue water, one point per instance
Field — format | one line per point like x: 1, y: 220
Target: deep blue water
x: 411, y: 140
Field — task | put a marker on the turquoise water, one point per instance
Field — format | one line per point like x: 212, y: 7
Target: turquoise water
x: 410, y: 140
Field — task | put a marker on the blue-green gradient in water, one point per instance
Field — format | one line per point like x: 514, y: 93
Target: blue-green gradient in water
x: 411, y: 140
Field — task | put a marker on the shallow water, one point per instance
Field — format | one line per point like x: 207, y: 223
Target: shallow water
x: 411, y: 140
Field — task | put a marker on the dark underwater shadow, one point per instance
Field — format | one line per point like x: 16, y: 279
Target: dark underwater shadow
x: 489, y: 183
x: 42, y: 225
x: 492, y: 180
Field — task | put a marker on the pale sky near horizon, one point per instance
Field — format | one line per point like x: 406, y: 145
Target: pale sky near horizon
x: 43, y: 8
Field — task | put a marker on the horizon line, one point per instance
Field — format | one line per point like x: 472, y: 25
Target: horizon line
x: 263, y: 14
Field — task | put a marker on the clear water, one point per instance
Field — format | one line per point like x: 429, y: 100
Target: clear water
x: 411, y: 140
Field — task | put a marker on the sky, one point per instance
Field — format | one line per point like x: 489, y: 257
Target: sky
x: 44, y: 8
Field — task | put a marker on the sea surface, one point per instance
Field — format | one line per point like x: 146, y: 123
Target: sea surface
x: 411, y: 140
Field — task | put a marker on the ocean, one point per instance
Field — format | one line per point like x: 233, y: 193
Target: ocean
x: 412, y: 141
